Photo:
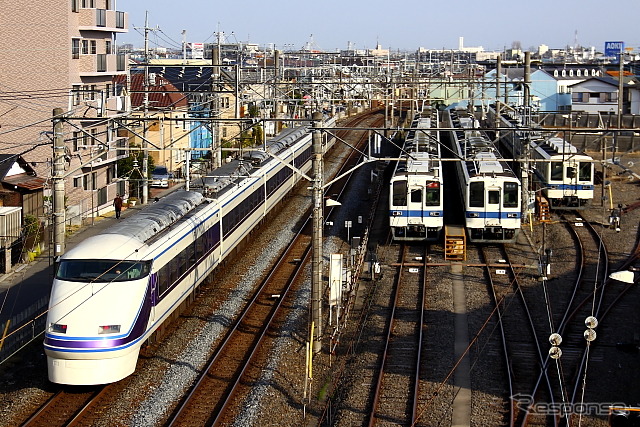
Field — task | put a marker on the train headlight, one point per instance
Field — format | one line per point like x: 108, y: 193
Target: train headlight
x: 109, y: 329
x: 434, y: 213
x: 512, y: 215
x: 473, y: 215
x: 56, y: 327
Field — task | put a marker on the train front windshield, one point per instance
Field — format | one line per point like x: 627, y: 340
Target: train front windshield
x: 76, y: 270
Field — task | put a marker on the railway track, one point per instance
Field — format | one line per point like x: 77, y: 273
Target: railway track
x: 212, y: 399
x: 66, y: 407
x: 565, y: 303
x: 518, y: 325
x: 213, y: 394
x: 75, y: 405
x: 395, y: 400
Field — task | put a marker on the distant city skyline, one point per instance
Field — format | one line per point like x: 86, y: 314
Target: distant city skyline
x: 334, y: 25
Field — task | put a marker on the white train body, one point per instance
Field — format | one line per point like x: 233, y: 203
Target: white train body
x: 113, y: 290
x: 564, y: 175
x: 489, y: 189
x: 416, y: 210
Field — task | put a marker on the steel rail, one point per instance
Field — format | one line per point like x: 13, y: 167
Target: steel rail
x: 388, y: 332
x: 505, y: 351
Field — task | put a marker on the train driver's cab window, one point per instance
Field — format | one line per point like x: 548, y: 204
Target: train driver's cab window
x: 494, y: 197
x: 571, y: 172
x: 476, y: 194
x: 556, y: 171
x: 433, y: 194
x: 510, y: 199
x: 79, y: 270
x: 400, y: 193
x: 584, y: 173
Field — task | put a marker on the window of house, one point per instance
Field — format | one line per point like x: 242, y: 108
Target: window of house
x: 555, y: 73
x: 77, y: 182
x: 75, y: 48
x: 88, y: 3
x: 89, y: 181
x: 85, y: 47
x: 579, y: 73
x: 111, y: 173
x: 107, y: 47
x: 110, y: 5
x: 93, y: 46
x: 75, y: 5
x: 564, y: 73
x: 75, y: 94
x: 76, y: 140
x: 94, y: 136
x: 101, y: 18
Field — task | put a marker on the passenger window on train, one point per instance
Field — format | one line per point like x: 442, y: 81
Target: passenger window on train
x: 494, y: 197
x: 585, y: 171
x: 510, y: 199
x: 400, y: 193
x: 433, y: 197
x: 476, y: 194
x: 556, y: 171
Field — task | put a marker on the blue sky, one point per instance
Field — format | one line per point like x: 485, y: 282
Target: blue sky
x: 404, y: 25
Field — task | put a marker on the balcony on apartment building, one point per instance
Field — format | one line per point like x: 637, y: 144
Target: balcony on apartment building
x: 103, y: 154
x: 102, y: 64
x: 103, y: 20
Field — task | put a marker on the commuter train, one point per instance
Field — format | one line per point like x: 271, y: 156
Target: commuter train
x: 416, y: 212
x: 113, y: 290
x: 490, y: 190
x: 563, y: 174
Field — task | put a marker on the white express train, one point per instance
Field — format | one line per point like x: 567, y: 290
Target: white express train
x: 113, y: 290
x: 563, y: 173
x: 490, y: 190
x: 416, y: 212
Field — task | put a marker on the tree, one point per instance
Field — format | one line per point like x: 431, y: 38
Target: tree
x: 131, y: 167
x: 258, y: 134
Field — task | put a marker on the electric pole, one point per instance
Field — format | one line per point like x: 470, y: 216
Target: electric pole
x: 57, y: 176
x: 525, y: 145
x: 145, y: 153
x: 316, y: 262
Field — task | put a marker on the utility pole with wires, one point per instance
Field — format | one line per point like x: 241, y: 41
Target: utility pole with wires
x: 57, y: 177
x: 145, y: 85
x: 145, y: 158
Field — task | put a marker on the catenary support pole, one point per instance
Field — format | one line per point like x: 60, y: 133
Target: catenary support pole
x: 145, y: 152
x: 57, y: 176
x: 316, y: 263
x: 524, y: 173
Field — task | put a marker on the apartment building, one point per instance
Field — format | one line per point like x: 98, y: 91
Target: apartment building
x: 62, y: 54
